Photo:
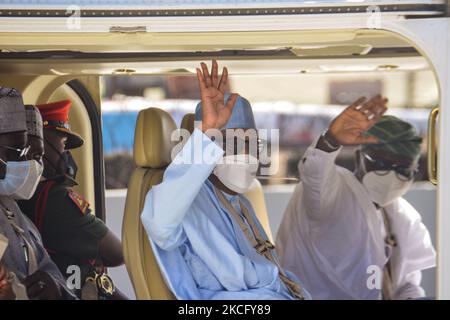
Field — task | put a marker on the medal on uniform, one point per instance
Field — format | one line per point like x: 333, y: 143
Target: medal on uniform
x: 105, y: 285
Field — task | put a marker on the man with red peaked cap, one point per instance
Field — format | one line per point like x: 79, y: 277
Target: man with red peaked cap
x: 56, y: 117
x: 70, y: 231
x: 58, y: 161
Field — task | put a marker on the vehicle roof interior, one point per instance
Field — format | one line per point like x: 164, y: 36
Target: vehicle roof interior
x: 246, y: 53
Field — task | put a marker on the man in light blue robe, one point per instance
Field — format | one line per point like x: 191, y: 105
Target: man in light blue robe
x: 201, y: 249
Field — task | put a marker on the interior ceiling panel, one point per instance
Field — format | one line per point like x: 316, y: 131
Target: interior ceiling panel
x: 154, y: 43
x: 270, y: 52
x: 236, y: 66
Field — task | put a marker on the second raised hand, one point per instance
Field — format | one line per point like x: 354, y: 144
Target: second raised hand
x: 215, y: 112
x: 348, y: 128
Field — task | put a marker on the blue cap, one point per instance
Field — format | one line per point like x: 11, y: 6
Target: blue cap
x: 241, y: 117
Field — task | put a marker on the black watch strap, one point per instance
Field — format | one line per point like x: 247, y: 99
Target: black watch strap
x: 331, y: 140
x: 327, y: 143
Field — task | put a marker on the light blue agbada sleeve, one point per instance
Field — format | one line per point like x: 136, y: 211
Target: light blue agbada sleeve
x: 167, y: 203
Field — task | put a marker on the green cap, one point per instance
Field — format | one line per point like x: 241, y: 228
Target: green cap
x: 395, y: 136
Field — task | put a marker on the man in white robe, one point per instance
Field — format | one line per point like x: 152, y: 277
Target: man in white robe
x: 351, y: 235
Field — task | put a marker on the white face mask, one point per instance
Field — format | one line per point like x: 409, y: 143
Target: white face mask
x: 383, y: 189
x: 21, y: 179
x: 237, y: 172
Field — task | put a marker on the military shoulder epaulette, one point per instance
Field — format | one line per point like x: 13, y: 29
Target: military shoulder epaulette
x: 79, y: 201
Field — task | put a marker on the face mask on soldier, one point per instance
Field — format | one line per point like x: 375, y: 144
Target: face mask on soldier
x: 69, y: 166
x: 66, y: 165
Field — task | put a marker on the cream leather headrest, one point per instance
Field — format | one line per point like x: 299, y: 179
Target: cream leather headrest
x: 188, y: 122
x: 152, y: 145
